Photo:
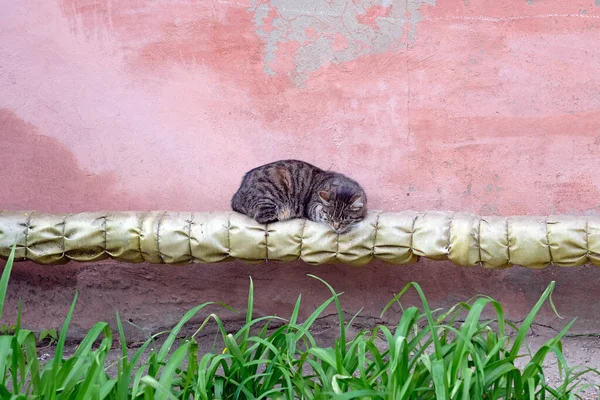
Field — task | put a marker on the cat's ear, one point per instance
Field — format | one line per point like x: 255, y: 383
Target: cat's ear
x: 325, y: 196
x: 358, y: 203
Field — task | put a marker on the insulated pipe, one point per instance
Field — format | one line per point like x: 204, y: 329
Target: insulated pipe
x: 210, y: 237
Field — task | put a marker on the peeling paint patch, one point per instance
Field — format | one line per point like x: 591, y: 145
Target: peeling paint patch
x: 468, y: 191
x: 332, y: 31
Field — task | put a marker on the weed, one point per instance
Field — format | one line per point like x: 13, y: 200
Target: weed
x: 429, y: 354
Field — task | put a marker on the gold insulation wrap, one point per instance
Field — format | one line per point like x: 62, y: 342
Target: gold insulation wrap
x: 397, y: 238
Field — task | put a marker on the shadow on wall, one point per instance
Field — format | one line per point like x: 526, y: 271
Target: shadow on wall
x: 41, y: 173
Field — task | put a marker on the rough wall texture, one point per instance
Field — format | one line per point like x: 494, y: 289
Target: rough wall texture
x: 484, y: 107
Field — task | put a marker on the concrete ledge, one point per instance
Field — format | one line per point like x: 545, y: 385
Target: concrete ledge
x: 154, y: 297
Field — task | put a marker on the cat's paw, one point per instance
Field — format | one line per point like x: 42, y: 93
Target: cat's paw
x: 266, y: 215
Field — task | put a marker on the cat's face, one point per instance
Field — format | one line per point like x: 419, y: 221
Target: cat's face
x: 342, y: 208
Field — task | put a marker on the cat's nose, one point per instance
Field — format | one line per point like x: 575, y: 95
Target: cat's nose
x: 335, y: 225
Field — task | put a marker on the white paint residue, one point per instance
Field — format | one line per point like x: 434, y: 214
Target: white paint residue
x: 333, y: 31
x: 514, y: 18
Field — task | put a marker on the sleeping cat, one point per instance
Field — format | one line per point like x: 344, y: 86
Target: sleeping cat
x: 289, y: 189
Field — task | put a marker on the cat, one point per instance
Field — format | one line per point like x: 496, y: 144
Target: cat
x: 288, y: 189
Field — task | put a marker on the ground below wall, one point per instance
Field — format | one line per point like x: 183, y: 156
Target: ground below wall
x: 155, y: 296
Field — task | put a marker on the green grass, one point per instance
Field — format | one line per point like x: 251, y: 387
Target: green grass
x: 429, y: 354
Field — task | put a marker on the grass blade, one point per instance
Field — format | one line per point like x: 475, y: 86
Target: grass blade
x: 6, y: 276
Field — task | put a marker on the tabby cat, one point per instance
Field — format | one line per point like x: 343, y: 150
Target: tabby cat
x: 289, y: 189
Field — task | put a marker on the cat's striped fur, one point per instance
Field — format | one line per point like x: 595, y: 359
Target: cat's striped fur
x: 289, y: 189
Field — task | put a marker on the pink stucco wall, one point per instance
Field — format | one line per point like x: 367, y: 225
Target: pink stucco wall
x: 488, y: 107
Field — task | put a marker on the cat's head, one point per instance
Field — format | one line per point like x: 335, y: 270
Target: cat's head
x: 343, y: 207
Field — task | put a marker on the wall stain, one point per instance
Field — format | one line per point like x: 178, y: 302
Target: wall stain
x: 40, y: 173
x: 316, y: 26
